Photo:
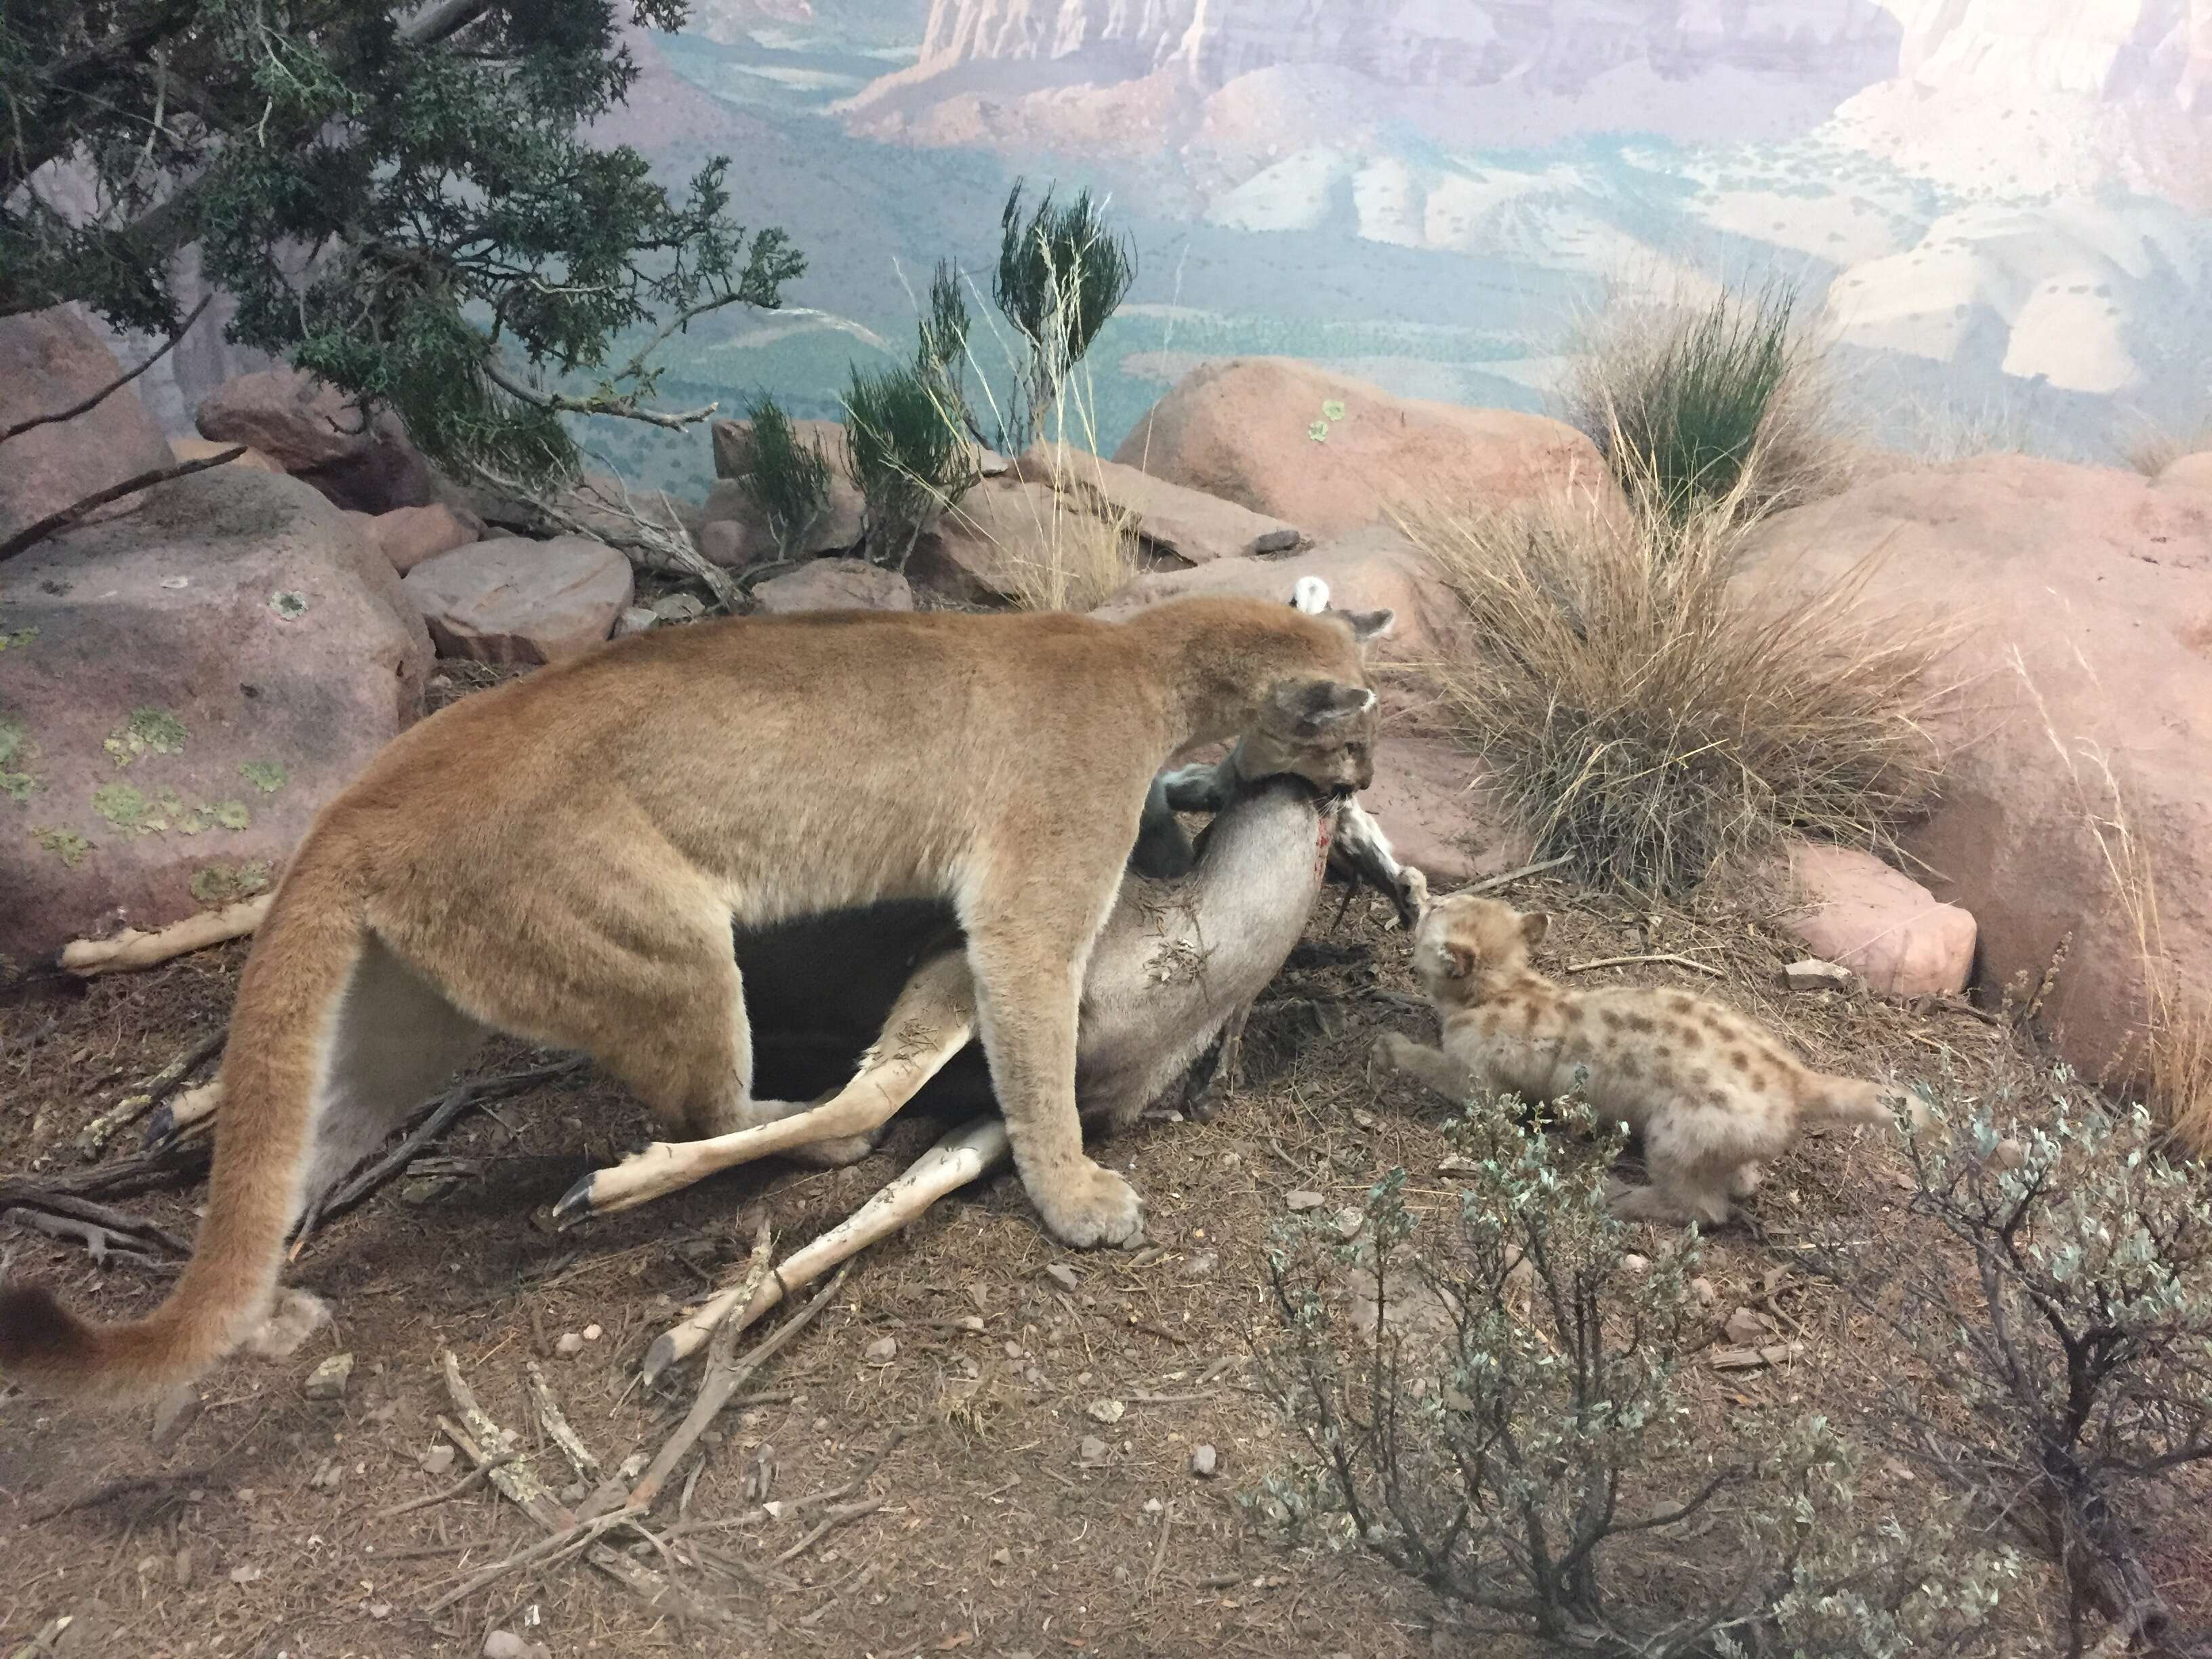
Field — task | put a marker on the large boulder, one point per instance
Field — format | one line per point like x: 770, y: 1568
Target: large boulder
x: 408, y: 535
x: 1187, y: 525
x: 514, y: 600
x: 307, y: 428
x: 2086, y: 599
x: 206, y: 449
x: 1443, y: 814
x: 1332, y: 454
x: 51, y: 361
x: 179, y: 693
x: 835, y: 585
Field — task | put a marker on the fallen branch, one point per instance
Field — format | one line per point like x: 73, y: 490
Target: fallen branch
x: 969, y: 1152
x: 724, y: 1377
x: 1491, y: 883
x: 476, y: 1477
x: 167, y: 1167
x: 92, y: 1140
x: 114, y: 386
x: 31, y: 535
x: 557, y: 1428
x: 1629, y: 962
x: 836, y: 1517
x: 133, y: 948
x: 98, y: 1242
x: 82, y: 1212
x: 572, y: 1539
x: 485, y: 1442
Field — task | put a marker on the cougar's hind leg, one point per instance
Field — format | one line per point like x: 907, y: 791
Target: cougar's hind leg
x: 397, y: 1042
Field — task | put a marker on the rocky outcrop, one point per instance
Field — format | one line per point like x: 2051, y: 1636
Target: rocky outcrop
x: 1186, y: 525
x: 513, y: 600
x: 180, y: 691
x: 307, y: 427
x: 1850, y: 908
x: 1332, y: 454
x: 2085, y: 596
x: 732, y: 532
x: 835, y: 585
x: 51, y: 360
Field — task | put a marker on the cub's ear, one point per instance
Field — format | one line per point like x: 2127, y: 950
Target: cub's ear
x: 1368, y: 626
x: 1458, y: 959
x: 1310, y: 595
x: 1534, y: 926
x: 1313, y: 707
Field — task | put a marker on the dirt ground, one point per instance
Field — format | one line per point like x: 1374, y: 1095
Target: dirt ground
x: 269, y: 1523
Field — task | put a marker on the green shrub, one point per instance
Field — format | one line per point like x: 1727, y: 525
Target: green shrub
x: 786, y: 481
x: 907, y: 456
x: 1061, y: 274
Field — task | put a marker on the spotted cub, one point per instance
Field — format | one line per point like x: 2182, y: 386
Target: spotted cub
x: 1713, y: 1095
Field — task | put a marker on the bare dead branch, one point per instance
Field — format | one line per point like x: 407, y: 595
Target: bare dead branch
x: 32, y: 535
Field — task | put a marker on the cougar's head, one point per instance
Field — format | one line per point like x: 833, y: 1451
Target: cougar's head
x: 1318, y: 729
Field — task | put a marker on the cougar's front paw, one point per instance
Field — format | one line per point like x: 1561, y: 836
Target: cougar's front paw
x: 294, y: 1316
x: 1094, y: 1208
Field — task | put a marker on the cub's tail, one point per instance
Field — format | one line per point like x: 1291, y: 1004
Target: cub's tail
x: 272, y: 1068
x: 1830, y: 1099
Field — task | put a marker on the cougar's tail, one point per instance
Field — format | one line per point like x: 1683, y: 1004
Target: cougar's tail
x: 281, y: 1034
x: 1829, y: 1099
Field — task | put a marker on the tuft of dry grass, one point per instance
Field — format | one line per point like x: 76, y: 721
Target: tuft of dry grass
x: 2170, y: 1052
x: 2155, y: 448
x: 1651, y: 718
x: 1728, y: 398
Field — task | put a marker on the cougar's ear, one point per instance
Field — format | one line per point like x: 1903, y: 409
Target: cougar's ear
x: 1310, y: 595
x: 1534, y: 926
x: 1368, y: 626
x: 1313, y: 707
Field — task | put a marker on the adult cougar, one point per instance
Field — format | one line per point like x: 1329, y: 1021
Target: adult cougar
x: 562, y: 859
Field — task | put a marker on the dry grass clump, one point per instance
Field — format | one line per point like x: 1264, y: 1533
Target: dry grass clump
x: 1652, y: 718
x: 1083, y: 553
x: 1728, y: 399
x: 2155, y: 448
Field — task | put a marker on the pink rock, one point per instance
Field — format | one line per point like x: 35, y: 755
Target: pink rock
x: 515, y: 601
x: 1331, y: 454
x: 2086, y: 596
x: 835, y: 585
x: 51, y: 361
x: 2189, y: 471
x: 732, y: 544
x: 184, y: 689
x: 296, y: 420
x: 1188, y: 523
x: 1858, y: 912
x: 838, y: 528
x: 408, y: 535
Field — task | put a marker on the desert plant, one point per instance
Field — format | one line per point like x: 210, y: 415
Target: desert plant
x: 1712, y: 403
x: 1654, y: 719
x: 906, y: 454
x: 1503, y: 1419
x: 401, y: 198
x: 1061, y: 274
x: 787, y: 481
x: 1083, y: 551
x: 2065, y: 1341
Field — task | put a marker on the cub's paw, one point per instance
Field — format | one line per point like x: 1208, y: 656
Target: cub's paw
x: 833, y: 1154
x: 1412, y: 897
x: 1382, y: 1059
x: 1093, y: 1208
x: 297, y: 1316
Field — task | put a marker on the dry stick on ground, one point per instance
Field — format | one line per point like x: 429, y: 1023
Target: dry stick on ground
x: 724, y: 1377
x: 836, y: 1518
x: 971, y: 1150
x: 556, y: 1425
x: 475, y: 1477
x: 168, y: 1167
x: 571, y: 1539
x: 32, y: 535
x: 1630, y: 962
x: 1491, y: 883
x: 61, y: 1215
x: 133, y: 948
x: 92, y: 1140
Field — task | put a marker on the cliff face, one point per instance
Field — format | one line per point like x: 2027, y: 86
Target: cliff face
x: 2106, y: 50
x: 1418, y: 42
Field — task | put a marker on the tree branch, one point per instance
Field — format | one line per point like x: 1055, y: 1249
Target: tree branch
x: 32, y: 535
x: 627, y: 408
x: 114, y: 385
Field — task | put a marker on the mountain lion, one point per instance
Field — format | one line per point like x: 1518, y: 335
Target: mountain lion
x: 562, y: 859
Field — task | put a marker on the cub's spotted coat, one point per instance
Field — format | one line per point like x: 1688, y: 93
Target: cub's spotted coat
x: 1712, y: 1094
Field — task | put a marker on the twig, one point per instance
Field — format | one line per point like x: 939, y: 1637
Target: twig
x: 1491, y: 883
x: 723, y: 1379
x: 485, y: 1440
x: 1629, y: 962
x: 836, y: 1517
x: 97, y: 1240
x: 1160, y: 1554
x: 570, y: 1540
x: 114, y: 385
x: 126, y: 1176
x: 32, y: 535
x: 133, y: 948
x: 475, y: 1477
x: 557, y: 1426
x: 92, y: 1140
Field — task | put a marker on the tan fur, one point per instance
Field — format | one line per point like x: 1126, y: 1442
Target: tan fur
x: 1713, y: 1095
x: 562, y: 859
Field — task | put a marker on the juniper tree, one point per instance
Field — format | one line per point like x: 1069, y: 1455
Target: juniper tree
x: 403, y: 200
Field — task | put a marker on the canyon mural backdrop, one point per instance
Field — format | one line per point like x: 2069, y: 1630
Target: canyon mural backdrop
x: 1997, y: 209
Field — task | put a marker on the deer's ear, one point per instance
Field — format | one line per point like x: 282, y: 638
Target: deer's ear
x: 1310, y: 595
x: 1368, y: 626
x: 1534, y: 926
